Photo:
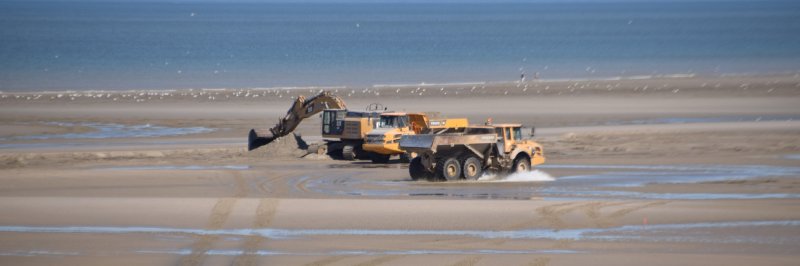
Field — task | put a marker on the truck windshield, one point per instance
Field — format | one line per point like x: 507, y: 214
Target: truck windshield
x: 393, y: 121
x: 517, y: 133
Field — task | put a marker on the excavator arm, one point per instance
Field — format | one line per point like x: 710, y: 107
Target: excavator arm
x: 301, y: 109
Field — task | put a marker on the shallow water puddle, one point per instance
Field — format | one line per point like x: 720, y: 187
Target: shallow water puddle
x: 178, y: 167
x: 234, y: 252
x: 603, y: 182
x: 639, y: 175
x: 111, y: 130
x: 718, y: 119
x: 687, y: 232
x: 157, y: 143
x: 363, y: 252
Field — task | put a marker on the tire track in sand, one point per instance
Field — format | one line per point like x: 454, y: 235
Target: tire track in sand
x: 379, y: 260
x: 628, y: 210
x: 552, y: 215
x: 326, y: 261
x: 219, y: 215
x: 264, y: 213
x: 471, y: 261
x: 543, y: 261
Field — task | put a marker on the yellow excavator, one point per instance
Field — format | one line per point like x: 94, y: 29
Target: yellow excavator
x: 301, y: 109
x: 344, y: 130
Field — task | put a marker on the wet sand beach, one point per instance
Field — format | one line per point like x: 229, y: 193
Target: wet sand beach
x: 658, y: 171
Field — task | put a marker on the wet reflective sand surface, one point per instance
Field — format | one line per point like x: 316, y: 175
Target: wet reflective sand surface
x: 708, y: 175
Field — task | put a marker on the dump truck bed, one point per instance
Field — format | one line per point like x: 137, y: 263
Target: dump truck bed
x: 435, y: 143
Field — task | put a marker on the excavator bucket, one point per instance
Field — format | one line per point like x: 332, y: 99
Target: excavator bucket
x: 258, y: 138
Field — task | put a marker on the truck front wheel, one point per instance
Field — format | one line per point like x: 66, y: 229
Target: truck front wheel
x: 448, y: 169
x: 521, y: 164
x: 418, y: 171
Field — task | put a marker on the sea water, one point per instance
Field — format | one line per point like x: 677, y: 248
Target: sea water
x: 159, y: 44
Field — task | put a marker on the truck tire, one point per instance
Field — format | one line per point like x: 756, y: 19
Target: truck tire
x: 348, y: 153
x: 448, y: 169
x: 472, y: 168
x: 521, y: 164
x: 379, y: 158
x: 407, y: 157
x: 418, y: 171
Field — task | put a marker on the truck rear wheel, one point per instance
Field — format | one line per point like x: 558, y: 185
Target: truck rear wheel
x: 448, y: 168
x: 348, y: 153
x: 521, y: 164
x: 379, y: 158
x: 472, y: 168
x: 407, y: 156
x: 418, y: 171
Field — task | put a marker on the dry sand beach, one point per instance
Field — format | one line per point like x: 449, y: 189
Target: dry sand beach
x: 657, y: 171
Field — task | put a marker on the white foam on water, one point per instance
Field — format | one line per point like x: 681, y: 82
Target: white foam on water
x: 531, y: 176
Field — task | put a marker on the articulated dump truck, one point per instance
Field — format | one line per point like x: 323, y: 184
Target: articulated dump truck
x: 383, y: 140
x: 469, y: 152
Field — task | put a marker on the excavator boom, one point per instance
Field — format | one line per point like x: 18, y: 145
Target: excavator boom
x: 301, y: 109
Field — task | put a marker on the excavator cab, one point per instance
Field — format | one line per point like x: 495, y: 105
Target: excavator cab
x: 333, y: 121
x: 340, y: 123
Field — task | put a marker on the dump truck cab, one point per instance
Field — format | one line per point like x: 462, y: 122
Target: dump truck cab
x: 511, y: 142
x: 383, y: 140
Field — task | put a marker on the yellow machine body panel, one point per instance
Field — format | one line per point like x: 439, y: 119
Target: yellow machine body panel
x: 354, y: 128
x: 449, y: 123
x: 385, y: 138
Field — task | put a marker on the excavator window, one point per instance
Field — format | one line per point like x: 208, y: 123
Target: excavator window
x: 333, y: 122
x: 326, y: 122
